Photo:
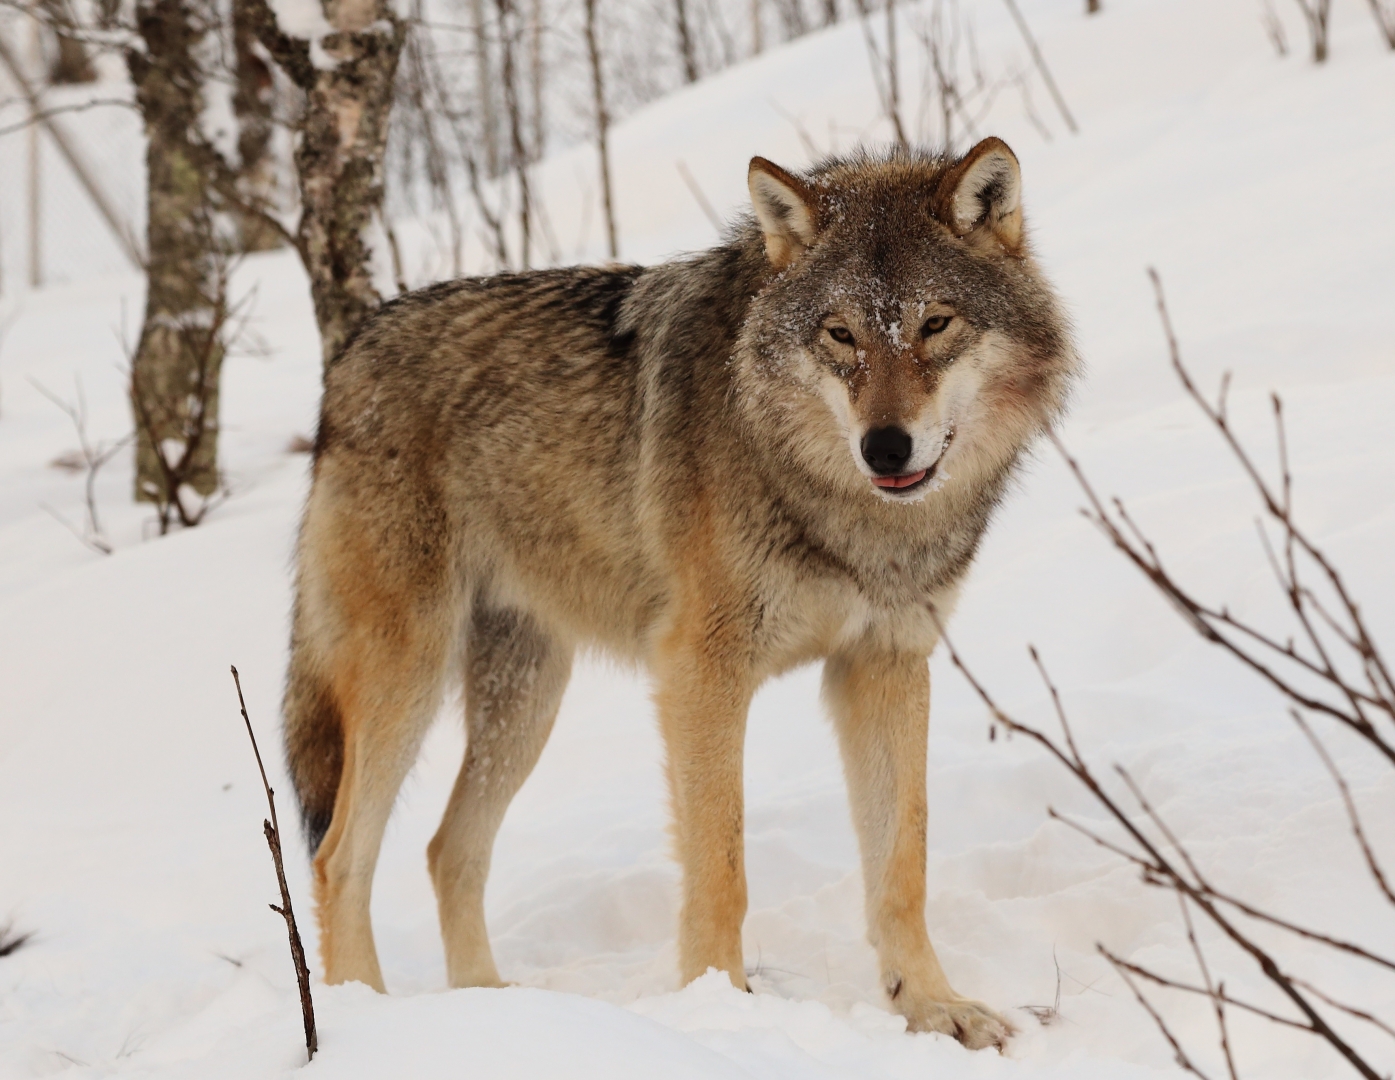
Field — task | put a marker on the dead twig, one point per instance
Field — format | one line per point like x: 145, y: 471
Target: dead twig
x: 12, y: 941
x: 1337, y: 672
x: 1040, y: 62
x: 702, y: 202
x: 90, y: 458
x: 273, y: 840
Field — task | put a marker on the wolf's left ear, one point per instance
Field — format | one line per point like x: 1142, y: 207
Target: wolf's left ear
x: 784, y: 207
x: 985, y: 191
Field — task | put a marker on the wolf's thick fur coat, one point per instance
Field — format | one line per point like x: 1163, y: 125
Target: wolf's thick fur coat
x: 671, y: 464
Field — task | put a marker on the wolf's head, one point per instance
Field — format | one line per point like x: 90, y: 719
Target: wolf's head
x: 905, y: 333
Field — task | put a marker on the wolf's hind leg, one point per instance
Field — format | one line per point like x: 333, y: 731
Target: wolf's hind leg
x: 881, y: 708
x: 384, y: 675
x: 515, y: 673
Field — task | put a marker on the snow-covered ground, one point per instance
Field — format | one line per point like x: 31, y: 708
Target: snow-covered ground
x: 130, y: 810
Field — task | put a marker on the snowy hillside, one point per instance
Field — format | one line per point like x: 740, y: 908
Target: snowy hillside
x: 130, y: 810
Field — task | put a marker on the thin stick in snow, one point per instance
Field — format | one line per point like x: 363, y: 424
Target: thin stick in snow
x: 273, y: 841
x: 692, y: 183
x: 1040, y: 62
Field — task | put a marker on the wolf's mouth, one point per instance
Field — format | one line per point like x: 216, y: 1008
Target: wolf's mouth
x: 909, y: 483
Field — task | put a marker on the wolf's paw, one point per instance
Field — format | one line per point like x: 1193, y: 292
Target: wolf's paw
x: 972, y: 1023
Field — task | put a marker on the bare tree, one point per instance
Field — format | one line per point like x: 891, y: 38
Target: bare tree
x: 176, y: 422
x: 885, y: 69
x: 174, y: 389
x: 1332, y: 670
x: 1385, y: 19
x: 1274, y: 29
x: 537, y: 72
x: 962, y: 96
x: 254, y: 104
x: 593, y: 52
x: 1316, y: 14
x: 509, y: 34
x: 792, y: 18
x: 342, y: 138
x: 687, y: 47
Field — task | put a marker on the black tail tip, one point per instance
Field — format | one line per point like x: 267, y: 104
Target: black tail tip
x: 315, y: 825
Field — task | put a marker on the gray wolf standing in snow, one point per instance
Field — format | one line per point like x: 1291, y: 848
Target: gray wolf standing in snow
x: 781, y: 450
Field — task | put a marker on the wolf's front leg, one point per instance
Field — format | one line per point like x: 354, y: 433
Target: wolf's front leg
x: 702, y: 692
x: 881, y: 707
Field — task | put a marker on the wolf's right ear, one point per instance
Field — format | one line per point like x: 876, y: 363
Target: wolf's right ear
x: 784, y: 207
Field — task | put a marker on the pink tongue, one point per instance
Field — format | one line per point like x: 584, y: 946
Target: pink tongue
x: 899, y: 481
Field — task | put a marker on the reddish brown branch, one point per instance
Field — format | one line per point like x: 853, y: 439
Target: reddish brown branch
x: 273, y: 840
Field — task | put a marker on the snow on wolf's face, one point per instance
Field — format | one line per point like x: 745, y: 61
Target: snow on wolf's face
x: 907, y: 307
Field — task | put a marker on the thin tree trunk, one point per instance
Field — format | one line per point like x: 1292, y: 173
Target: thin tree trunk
x: 339, y: 159
x: 538, y: 77
x: 893, y: 76
x: 792, y: 15
x: 830, y: 12
x: 484, y: 87
x: 253, y: 103
x: 686, y: 50
x: 1385, y: 20
x: 175, y: 387
x: 1093, y: 7
x: 602, y: 127
x: 517, y: 146
x: 757, y: 29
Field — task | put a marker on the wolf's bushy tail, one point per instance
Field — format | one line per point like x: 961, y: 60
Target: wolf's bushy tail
x: 314, y: 742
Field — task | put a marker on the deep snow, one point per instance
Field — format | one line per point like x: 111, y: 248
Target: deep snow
x: 129, y: 805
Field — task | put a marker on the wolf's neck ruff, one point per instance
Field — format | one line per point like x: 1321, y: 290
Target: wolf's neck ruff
x: 781, y: 450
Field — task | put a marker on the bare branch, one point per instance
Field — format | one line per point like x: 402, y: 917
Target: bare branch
x: 273, y: 839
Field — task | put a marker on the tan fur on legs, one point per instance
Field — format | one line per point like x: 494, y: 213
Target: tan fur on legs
x: 373, y: 624
x: 384, y: 729
x: 881, y: 706
x: 703, y: 689
x: 515, y: 674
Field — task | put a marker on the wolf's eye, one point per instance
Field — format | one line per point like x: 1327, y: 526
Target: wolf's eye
x: 934, y: 325
x: 841, y: 334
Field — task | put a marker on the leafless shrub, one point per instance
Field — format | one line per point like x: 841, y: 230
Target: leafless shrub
x: 89, y: 459
x: 1274, y: 29
x: 12, y: 940
x: 955, y: 80
x: 593, y: 55
x: 885, y: 62
x: 1385, y: 19
x: 1316, y: 14
x: 1040, y: 61
x: 174, y: 434
x: 1330, y: 668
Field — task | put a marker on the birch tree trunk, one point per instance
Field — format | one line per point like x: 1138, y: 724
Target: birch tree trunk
x: 253, y: 102
x: 339, y: 159
x: 174, y: 384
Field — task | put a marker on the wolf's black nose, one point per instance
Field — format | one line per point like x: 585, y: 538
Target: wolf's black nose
x: 886, y: 449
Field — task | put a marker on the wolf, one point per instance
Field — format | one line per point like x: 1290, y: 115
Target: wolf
x: 781, y: 450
